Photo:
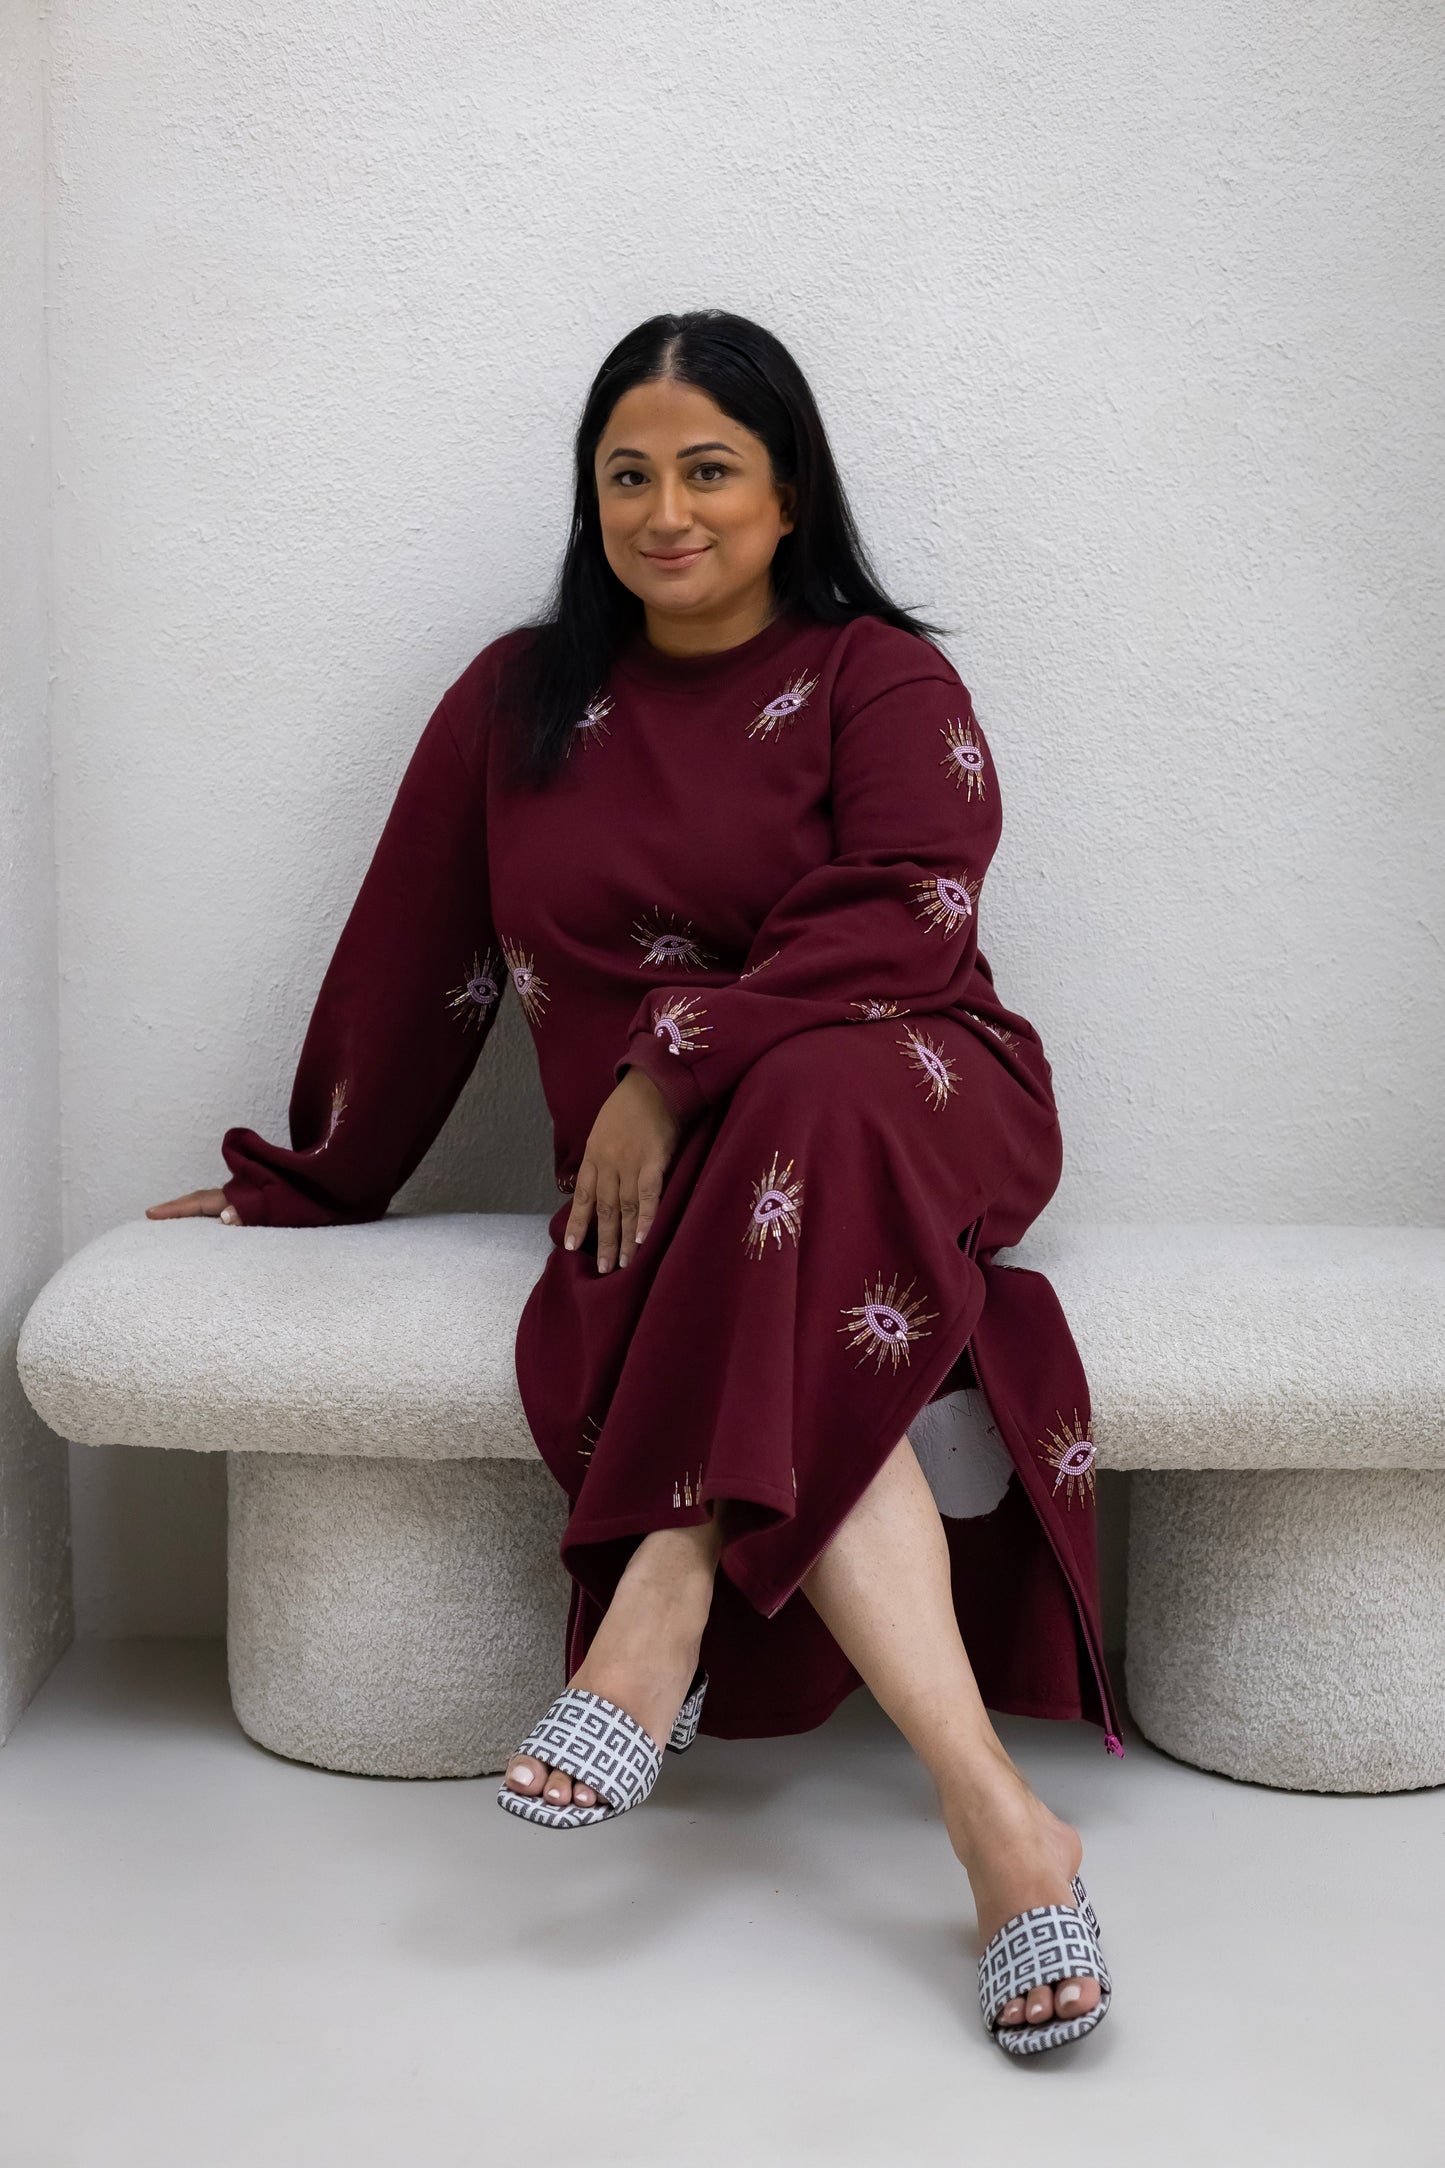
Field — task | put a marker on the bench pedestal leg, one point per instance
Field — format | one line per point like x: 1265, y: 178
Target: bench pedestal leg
x: 1289, y: 1628
x: 393, y: 1618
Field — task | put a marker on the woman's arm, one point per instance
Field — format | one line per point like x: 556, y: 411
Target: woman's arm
x: 889, y: 926
x: 407, y: 1002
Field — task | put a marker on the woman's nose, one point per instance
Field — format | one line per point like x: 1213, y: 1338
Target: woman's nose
x: 671, y: 512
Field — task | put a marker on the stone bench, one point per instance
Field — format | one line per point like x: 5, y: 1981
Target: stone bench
x: 396, y: 1603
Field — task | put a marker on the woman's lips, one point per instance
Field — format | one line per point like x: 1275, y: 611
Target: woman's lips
x: 674, y: 557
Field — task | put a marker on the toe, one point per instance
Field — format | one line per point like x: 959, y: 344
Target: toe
x: 1012, y: 2012
x: 557, y: 1790
x: 525, y: 1775
x: 1072, y: 1998
x: 1038, y: 2004
x: 583, y: 1795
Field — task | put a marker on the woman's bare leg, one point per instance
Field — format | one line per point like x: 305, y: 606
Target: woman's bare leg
x: 644, y: 1652
x: 882, y: 1589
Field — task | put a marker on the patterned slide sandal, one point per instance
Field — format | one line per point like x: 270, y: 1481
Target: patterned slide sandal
x: 599, y: 1744
x: 1034, y: 1948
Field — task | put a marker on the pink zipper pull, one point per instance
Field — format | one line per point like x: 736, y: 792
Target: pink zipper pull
x: 1113, y: 1745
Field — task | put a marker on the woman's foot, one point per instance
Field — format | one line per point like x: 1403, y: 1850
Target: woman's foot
x: 644, y: 1653
x: 1018, y: 1853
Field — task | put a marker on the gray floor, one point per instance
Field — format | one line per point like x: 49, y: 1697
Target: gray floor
x: 213, y: 1958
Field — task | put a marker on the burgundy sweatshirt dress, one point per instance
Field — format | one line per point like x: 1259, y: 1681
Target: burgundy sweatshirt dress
x: 758, y: 877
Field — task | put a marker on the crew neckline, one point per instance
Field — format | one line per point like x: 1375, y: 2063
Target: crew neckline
x: 640, y: 659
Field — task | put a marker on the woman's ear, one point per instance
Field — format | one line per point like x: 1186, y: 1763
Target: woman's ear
x: 788, y: 505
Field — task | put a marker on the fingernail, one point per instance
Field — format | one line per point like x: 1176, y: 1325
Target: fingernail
x: 571, y: 1242
x: 602, y: 1264
x: 1066, y: 1996
x: 229, y: 1216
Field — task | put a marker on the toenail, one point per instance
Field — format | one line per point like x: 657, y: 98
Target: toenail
x: 521, y: 1776
x: 554, y: 1791
x: 1066, y: 1997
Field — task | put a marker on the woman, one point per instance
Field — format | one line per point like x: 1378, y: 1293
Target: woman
x: 721, y: 820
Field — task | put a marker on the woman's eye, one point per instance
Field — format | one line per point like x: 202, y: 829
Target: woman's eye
x: 709, y: 469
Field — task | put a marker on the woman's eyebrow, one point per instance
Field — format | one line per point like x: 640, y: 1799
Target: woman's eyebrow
x: 689, y: 451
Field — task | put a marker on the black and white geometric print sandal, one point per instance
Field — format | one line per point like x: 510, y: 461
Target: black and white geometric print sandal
x: 1033, y: 1949
x: 597, y: 1743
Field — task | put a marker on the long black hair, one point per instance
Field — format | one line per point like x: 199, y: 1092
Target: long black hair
x: 821, y: 566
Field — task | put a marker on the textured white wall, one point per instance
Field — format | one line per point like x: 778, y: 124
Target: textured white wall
x: 1126, y: 323
x: 35, y: 1609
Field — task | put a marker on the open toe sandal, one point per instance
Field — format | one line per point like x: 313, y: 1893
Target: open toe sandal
x: 1033, y: 1949
x: 594, y: 1742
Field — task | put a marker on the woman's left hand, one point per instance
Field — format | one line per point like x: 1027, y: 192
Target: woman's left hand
x: 627, y: 1155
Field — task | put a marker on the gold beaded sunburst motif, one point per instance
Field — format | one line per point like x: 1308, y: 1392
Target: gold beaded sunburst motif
x: 777, y: 1208
x: 1069, y: 1451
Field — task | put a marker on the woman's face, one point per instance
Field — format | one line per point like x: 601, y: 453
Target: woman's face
x: 689, y: 509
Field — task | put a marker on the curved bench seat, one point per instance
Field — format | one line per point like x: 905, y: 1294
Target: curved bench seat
x: 396, y: 1604
x: 392, y: 1338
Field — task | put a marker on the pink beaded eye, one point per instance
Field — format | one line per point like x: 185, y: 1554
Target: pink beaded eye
x: 886, y: 1324
x: 782, y: 709
x: 670, y: 942
x: 964, y: 759
x: 478, y: 991
x: 678, y: 1023
x: 1069, y: 1451
x: 946, y: 901
x: 592, y: 725
x: 531, y: 987
x: 928, y: 1056
x: 777, y: 1208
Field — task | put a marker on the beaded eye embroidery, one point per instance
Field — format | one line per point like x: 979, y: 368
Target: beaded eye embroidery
x: 678, y: 1023
x: 777, y: 1208
x: 531, y: 987
x: 928, y: 1056
x: 946, y: 902
x: 477, y: 994
x: 1069, y: 1451
x: 782, y: 708
x: 964, y: 758
x: 670, y: 941
x: 592, y: 725
x: 885, y: 1324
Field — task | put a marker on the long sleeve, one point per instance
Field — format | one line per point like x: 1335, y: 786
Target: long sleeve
x: 887, y: 926
x: 408, y: 999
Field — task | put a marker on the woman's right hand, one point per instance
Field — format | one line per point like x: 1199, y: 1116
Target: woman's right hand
x: 623, y: 1169
x: 210, y: 1203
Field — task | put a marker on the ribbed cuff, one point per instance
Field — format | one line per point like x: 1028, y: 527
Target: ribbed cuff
x: 244, y: 1202
x: 678, y: 1085
x: 264, y: 1197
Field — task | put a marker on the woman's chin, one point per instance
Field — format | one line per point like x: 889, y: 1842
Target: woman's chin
x: 682, y: 597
